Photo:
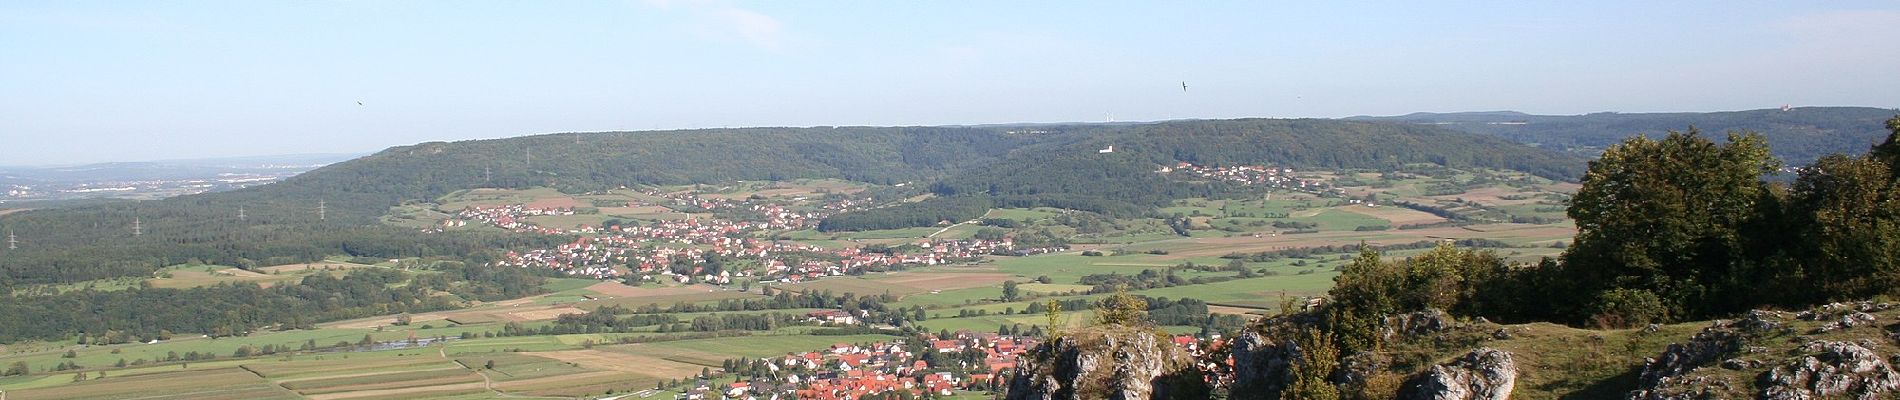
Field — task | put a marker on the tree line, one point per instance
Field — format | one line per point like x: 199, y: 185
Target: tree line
x: 143, y: 314
x: 1676, y: 228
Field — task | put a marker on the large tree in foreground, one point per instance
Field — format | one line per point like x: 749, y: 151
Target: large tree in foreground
x: 1674, y: 218
x: 1848, y: 211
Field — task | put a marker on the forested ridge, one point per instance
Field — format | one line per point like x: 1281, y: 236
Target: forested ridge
x: 1056, y: 165
x: 1799, y: 135
x: 1124, y: 182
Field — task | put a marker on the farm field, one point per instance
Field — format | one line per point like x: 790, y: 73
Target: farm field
x: 792, y: 188
x: 199, y: 275
x: 1223, y: 233
x: 902, y: 284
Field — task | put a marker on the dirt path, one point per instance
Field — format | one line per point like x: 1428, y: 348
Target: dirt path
x: 947, y: 228
x: 487, y: 383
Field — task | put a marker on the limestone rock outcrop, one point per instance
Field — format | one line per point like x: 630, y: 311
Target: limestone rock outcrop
x: 1667, y: 376
x: 1103, y: 362
x: 1833, y: 370
x: 1482, y: 374
x: 1260, y: 365
x: 1416, y: 323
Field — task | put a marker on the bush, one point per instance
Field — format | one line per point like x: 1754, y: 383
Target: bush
x: 1623, y: 308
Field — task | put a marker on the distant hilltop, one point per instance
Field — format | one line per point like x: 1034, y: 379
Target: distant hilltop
x: 1798, y: 135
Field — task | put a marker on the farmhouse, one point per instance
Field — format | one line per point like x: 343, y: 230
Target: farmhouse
x: 840, y: 317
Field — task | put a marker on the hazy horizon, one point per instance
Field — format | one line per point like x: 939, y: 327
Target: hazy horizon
x: 103, y: 82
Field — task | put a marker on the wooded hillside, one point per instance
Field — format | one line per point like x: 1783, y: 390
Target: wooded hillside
x: 1053, y: 166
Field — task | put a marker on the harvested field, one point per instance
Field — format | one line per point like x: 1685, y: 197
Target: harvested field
x: 632, y: 297
x: 190, y: 277
x: 1214, y: 309
x: 342, y: 367
x: 1492, y: 196
x: 945, y: 280
x: 901, y: 283
x: 1399, y: 216
x: 617, y: 289
x: 585, y: 383
x: 541, y: 314
x: 1563, y: 187
x: 624, y: 361
x: 793, y: 189
x: 1214, y: 247
x: 554, y: 202
x: 291, y: 381
x: 308, y: 267
x: 240, y: 273
x: 633, y: 302
x: 375, y: 322
x: 1054, y: 288
x: 222, y: 383
x: 391, y: 380
x: 520, y: 310
x: 405, y: 392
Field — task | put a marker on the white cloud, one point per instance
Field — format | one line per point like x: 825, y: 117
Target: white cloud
x: 722, y: 21
x: 759, y: 29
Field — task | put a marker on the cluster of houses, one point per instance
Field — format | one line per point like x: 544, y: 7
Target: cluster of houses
x: 614, y: 256
x: 852, y: 371
x: 848, y: 372
x: 651, y: 252
x: 513, y: 217
x: 1257, y: 175
x: 856, y: 259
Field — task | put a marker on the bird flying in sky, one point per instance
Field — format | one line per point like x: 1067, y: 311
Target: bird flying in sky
x: 1183, y: 86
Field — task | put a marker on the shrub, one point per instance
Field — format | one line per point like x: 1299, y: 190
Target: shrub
x: 1623, y: 308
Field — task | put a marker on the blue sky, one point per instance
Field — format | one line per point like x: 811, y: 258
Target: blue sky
x: 116, y: 81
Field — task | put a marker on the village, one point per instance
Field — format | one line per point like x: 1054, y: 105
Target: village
x: 924, y: 366
x: 697, y: 250
x: 1254, y: 175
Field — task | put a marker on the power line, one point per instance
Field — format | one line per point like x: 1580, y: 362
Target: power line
x: 321, y: 208
x: 13, y: 242
x: 136, y: 230
x: 240, y: 213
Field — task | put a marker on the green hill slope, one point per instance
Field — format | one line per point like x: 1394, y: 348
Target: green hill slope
x: 283, y: 224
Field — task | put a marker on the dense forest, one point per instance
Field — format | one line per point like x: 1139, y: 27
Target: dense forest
x: 1124, y: 183
x: 1799, y: 135
x: 1054, y: 166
